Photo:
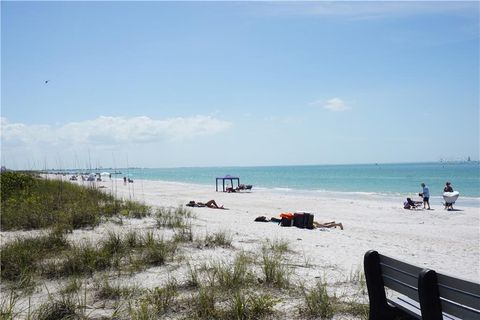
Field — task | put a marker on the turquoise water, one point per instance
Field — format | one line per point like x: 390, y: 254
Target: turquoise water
x: 382, y: 179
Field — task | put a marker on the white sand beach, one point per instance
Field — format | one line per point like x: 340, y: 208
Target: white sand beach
x: 445, y: 241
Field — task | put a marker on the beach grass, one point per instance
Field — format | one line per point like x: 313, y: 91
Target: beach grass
x: 20, y: 258
x: 250, y: 306
x: 30, y: 202
x: 245, y: 287
x: 318, y: 302
x: 162, y: 298
x: 220, y: 238
x: 64, y: 307
x: 7, y: 305
x: 173, y: 218
x: 233, y: 276
x: 275, y: 272
x: 204, y: 304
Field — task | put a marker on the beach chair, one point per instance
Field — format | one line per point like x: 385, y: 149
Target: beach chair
x: 412, y: 205
x: 450, y: 198
x: 243, y: 187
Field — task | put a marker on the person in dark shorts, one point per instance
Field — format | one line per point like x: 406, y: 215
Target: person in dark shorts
x: 426, y: 196
x: 448, y: 188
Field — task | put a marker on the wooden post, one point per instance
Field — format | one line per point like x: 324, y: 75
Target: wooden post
x: 379, y: 309
x: 429, y: 296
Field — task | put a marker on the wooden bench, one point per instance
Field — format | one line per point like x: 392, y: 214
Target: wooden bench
x: 422, y: 293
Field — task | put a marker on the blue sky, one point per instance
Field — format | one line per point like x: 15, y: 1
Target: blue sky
x: 167, y: 84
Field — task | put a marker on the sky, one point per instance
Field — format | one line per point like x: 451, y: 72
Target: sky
x: 175, y: 84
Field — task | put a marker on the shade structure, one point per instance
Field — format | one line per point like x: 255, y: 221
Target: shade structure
x: 226, y: 178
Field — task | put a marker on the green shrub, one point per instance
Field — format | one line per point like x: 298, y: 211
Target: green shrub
x: 135, y: 210
x: 29, y: 202
x: 20, y: 257
x: 219, y: 238
x: 105, y: 291
x: 277, y: 246
x: 173, y: 218
x: 158, y: 252
x: 13, y: 182
x: 250, y: 306
x: 64, y: 308
x: 80, y: 260
x: 275, y: 272
x: 73, y: 285
x: 184, y: 234
x: 204, y: 304
x: 193, y: 276
x: 163, y: 298
x: 7, y: 306
x: 318, y: 302
x: 233, y: 276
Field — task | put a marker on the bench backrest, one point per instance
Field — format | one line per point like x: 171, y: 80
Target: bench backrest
x: 459, y: 298
x: 400, y: 276
x: 382, y: 271
x: 439, y: 296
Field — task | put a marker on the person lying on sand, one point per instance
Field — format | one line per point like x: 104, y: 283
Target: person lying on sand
x: 211, y: 204
x: 331, y: 224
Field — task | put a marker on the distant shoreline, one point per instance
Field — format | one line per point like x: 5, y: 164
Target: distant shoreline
x: 386, y: 180
x: 324, y: 195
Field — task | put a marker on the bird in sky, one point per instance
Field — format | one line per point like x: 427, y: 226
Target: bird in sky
x: 46, y: 81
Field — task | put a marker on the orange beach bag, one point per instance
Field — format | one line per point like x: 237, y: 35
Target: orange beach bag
x: 287, y: 215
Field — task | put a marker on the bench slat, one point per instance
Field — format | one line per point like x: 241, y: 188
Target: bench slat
x: 408, y: 305
x: 400, y: 287
x: 457, y: 310
x: 459, y: 299
x: 460, y: 291
x: 405, y: 267
x: 396, y: 273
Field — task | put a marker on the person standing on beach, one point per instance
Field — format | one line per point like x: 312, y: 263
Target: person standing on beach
x: 448, y: 187
x: 426, y: 196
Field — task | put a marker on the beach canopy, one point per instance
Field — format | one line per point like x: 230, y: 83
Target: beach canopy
x: 226, y: 178
x: 105, y: 173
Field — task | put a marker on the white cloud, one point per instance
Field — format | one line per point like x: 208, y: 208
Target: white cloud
x: 106, y: 131
x: 333, y: 104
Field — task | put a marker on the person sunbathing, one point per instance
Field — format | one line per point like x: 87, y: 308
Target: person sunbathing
x: 210, y: 204
x: 331, y: 224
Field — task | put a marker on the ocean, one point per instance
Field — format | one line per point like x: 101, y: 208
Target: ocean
x: 395, y: 180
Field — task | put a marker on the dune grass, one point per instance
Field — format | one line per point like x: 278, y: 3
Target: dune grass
x: 53, y: 257
x: 242, y: 288
x: 173, y: 218
x: 218, y: 239
x: 318, y: 302
x: 275, y: 272
x: 249, y: 306
x: 29, y: 202
x: 20, y: 258
x: 233, y: 276
x: 64, y: 307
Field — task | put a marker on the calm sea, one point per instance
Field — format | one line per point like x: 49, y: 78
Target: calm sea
x: 381, y: 179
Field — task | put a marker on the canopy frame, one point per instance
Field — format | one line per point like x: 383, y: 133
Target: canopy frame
x: 226, y: 178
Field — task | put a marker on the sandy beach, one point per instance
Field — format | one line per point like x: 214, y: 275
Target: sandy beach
x: 445, y: 241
